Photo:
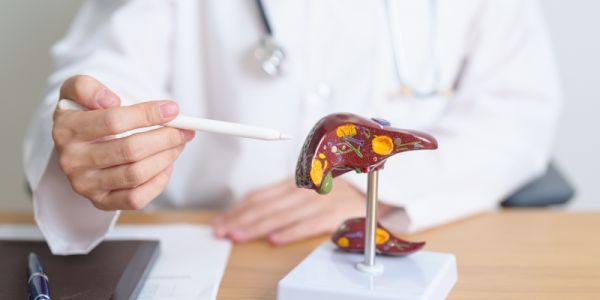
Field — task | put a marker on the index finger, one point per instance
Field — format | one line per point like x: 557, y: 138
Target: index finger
x: 94, y: 124
x: 88, y: 92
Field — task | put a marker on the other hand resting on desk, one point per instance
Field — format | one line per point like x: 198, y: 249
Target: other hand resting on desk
x: 283, y: 213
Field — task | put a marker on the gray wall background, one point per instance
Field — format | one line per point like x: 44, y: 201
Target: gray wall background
x: 28, y: 28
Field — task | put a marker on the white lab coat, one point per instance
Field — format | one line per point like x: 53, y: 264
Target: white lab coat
x: 495, y: 132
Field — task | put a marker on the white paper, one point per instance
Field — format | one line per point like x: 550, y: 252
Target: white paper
x: 190, y: 264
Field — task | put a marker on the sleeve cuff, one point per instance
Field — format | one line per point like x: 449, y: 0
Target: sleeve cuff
x: 69, y: 222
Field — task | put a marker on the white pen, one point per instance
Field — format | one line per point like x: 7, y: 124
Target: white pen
x: 206, y: 125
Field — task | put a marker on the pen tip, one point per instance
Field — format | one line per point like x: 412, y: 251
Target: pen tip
x: 286, y: 136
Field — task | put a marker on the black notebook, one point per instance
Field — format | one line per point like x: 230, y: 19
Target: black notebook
x: 113, y: 270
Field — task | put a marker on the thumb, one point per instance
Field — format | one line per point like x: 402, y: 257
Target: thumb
x: 88, y: 92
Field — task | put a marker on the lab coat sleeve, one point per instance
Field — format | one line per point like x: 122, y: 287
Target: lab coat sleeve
x: 497, y: 131
x: 125, y: 45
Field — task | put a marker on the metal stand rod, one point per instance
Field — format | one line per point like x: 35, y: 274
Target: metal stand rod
x: 371, y: 220
x: 369, y: 265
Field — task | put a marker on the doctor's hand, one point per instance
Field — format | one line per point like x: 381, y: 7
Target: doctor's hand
x: 284, y: 213
x: 115, y: 173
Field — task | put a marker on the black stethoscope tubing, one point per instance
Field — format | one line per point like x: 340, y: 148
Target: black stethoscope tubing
x: 263, y: 18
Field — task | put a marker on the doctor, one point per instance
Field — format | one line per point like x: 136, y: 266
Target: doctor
x: 479, y: 75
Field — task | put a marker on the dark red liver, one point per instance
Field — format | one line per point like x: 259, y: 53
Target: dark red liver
x: 343, y: 142
x: 350, y: 237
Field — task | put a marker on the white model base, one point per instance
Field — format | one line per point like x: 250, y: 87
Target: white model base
x: 373, y: 270
x: 328, y: 274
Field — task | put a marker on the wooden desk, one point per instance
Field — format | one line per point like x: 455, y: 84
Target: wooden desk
x: 514, y: 254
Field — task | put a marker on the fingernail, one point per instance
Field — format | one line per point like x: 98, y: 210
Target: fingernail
x: 106, y: 98
x: 219, y: 231
x: 188, y: 135
x: 222, y: 232
x: 275, y: 240
x: 168, y: 110
x: 238, y: 235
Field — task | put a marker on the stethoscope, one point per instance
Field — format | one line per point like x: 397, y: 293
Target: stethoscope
x: 270, y: 55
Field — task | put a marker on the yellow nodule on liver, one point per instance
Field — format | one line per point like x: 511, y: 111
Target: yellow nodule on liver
x: 343, y: 242
x: 346, y: 130
x: 316, y: 172
x: 382, y: 145
x: 381, y: 236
